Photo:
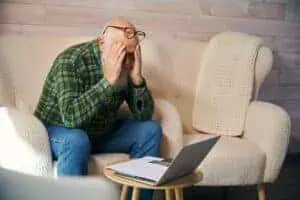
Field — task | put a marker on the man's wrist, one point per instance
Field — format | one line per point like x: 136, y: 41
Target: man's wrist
x: 110, y: 81
x: 106, y: 83
x: 137, y: 81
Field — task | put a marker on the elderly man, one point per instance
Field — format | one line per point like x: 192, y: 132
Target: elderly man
x: 83, y: 92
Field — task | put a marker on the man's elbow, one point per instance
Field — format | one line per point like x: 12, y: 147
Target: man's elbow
x: 69, y: 124
x: 69, y: 120
x: 144, y: 116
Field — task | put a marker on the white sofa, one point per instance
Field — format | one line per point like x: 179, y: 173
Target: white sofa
x: 171, y: 68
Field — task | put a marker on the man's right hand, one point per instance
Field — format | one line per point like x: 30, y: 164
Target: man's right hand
x: 113, y: 64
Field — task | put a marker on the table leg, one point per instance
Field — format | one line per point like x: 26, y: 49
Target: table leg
x: 179, y: 194
x: 136, y: 193
x: 124, y: 192
x: 168, y: 193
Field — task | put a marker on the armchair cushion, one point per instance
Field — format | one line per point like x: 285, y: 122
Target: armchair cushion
x: 97, y: 162
x: 232, y: 161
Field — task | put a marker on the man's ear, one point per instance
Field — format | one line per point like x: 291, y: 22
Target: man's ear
x: 101, y: 42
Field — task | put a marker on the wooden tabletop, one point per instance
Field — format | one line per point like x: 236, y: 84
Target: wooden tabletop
x: 182, y: 182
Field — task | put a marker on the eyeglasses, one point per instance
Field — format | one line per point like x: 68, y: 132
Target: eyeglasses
x: 129, y: 32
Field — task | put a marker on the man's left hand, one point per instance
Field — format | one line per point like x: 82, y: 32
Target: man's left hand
x: 136, y: 71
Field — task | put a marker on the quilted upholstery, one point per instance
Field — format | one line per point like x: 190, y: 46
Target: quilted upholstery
x: 225, y: 83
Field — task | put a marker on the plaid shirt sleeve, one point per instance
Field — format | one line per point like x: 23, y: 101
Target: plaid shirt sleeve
x: 140, y: 101
x: 77, y: 107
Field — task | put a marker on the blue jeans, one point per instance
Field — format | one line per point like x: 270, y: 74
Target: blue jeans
x: 72, y: 147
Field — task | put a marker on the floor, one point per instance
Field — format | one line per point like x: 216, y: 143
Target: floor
x: 287, y: 187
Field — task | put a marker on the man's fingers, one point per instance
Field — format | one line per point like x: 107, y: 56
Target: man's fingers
x: 117, y: 49
x: 121, y: 48
x: 138, y: 52
x: 114, y: 46
x: 119, y: 53
x: 122, y: 54
x: 121, y: 57
x: 138, y: 49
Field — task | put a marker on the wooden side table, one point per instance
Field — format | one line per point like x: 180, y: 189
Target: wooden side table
x: 171, y: 188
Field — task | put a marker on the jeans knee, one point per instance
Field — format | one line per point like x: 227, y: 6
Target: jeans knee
x: 154, y: 129
x: 79, y: 141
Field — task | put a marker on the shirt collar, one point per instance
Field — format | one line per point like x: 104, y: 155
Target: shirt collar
x: 96, y: 50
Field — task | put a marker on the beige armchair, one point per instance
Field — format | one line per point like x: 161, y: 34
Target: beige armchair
x: 254, y: 134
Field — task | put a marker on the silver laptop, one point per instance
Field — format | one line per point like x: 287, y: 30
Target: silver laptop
x: 157, y: 171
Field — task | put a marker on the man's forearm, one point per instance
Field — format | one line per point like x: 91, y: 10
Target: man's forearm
x: 140, y: 101
x: 137, y: 81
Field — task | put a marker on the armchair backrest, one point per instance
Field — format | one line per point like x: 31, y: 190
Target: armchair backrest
x: 226, y: 83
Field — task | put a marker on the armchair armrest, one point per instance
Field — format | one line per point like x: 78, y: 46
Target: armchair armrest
x: 269, y: 126
x: 15, y: 185
x: 24, y: 144
x: 170, y: 120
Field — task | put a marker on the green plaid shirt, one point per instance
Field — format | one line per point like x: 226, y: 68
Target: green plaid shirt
x: 76, y: 95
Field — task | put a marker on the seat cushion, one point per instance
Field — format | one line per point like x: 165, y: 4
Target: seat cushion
x: 99, y: 161
x: 232, y: 161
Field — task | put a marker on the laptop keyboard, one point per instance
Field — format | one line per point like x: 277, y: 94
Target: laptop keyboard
x: 164, y: 162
